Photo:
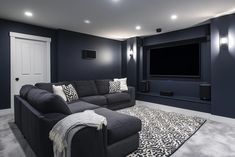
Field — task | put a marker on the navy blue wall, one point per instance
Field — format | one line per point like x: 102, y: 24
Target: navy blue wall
x: 5, y: 28
x: 180, y: 35
x: 66, y: 62
x: 180, y: 87
x: 124, y: 59
x: 130, y: 61
x: 71, y: 66
x: 223, y: 66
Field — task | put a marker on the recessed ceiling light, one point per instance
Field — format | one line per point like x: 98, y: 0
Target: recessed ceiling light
x: 28, y: 14
x: 174, y: 17
x: 138, y: 27
x: 87, y: 21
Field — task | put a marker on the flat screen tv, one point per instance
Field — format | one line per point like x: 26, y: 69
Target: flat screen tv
x: 176, y: 61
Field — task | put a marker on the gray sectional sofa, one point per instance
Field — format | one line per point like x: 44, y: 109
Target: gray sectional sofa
x: 37, y: 110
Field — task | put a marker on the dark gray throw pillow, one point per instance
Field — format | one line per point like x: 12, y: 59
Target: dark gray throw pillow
x: 102, y: 86
x: 25, y: 90
x: 45, y: 86
x: 86, y: 88
x: 46, y: 102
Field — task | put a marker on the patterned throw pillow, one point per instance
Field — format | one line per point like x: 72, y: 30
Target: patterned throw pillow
x: 70, y: 93
x: 114, y: 87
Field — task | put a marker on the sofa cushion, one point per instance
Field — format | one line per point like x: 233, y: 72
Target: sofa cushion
x: 80, y: 106
x: 116, y: 98
x: 25, y: 90
x: 119, y: 126
x: 86, y: 88
x: 102, y: 86
x: 48, y: 86
x: 46, y: 102
x: 97, y: 100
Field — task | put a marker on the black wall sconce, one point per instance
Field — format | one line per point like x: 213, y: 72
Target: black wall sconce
x: 131, y: 48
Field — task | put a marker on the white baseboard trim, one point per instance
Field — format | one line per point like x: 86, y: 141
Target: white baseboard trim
x: 5, y: 111
x: 188, y: 112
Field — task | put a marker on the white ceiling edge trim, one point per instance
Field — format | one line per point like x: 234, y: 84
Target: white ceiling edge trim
x: 225, y: 13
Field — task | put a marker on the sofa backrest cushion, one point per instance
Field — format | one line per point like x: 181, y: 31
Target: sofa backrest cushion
x: 46, y: 102
x: 102, y: 86
x: 48, y: 86
x: 86, y: 88
x: 25, y: 90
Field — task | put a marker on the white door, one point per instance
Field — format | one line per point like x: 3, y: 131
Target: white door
x: 30, y: 63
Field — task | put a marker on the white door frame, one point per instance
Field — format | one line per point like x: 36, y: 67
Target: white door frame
x: 14, y: 36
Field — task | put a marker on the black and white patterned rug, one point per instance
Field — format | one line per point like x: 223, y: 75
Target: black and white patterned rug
x: 162, y: 132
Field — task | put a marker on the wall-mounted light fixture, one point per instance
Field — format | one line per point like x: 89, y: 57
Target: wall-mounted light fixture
x: 131, y: 49
x: 224, y: 41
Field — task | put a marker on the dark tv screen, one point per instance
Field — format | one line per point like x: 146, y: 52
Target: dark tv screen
x: 177, y: 61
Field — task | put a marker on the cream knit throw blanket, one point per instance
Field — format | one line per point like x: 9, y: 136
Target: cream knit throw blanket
x: 62, y: 133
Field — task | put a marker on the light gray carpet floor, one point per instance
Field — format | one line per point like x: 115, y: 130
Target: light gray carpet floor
x: 213, y: 139
x: 12, y: 143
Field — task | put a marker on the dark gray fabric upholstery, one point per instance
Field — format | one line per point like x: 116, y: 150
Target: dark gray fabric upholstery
x: 80, y: 106
x: 119, y: 125
x: 116, y: 98
x: 46, y: 102
x: 97, y: 100
x: 102, y: 86
x: 45, y: 86
x: 86, y: 88
x: 89, y: 142
x: 123, y: 147
x: 17, y: 110
x: 31, y: 127
x: 118, y: 139
x: 25, y: 90
x: 120, y: 105
x: 48, y: 86
x: 131, y: 91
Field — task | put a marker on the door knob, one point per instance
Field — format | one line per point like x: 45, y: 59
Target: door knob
x: 17, y: 79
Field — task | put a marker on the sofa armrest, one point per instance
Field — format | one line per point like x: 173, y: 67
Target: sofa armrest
x: 89, y: 142
x: 52, y: 118
x: 131, y: 91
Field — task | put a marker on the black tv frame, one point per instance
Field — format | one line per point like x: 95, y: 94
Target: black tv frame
x: 174, y: 76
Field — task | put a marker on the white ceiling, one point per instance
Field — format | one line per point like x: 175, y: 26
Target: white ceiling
x: 115, y: 20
